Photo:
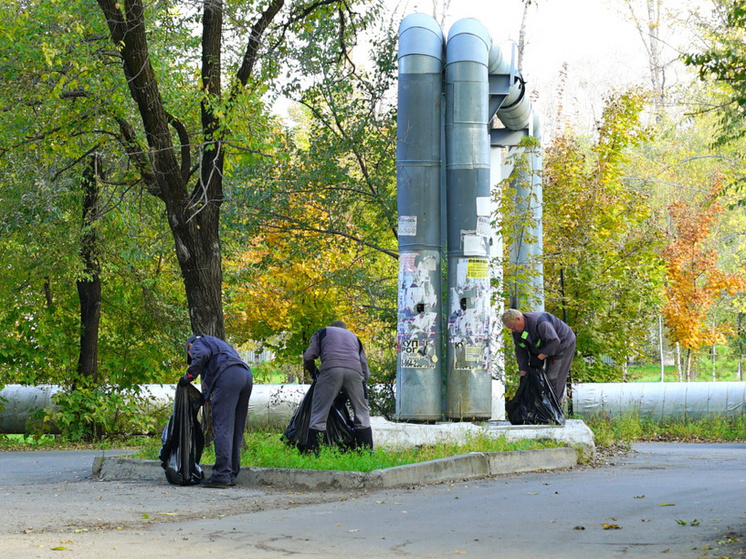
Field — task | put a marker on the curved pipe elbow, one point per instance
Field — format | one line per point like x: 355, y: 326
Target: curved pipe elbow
x: 468, y: 41
x: 515, y: 112
x: 420, y: 45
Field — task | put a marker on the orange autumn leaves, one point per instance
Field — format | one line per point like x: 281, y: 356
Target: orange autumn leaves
x: 695, y: 283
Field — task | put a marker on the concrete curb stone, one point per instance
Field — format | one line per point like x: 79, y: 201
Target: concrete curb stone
x: 455, y: 468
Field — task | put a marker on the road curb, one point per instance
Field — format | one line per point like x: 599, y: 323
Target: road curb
x: 455, y: 468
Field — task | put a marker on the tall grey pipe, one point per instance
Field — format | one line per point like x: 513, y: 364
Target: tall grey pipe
x: 419, y: 376
x: 526, y: 250
x: 468, y: 386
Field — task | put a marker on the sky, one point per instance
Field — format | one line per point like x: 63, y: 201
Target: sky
x: 595, y: 38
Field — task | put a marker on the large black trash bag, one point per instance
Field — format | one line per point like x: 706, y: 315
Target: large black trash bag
x: 340, y: 430
x: 534, y: 402
x: 183, y: 439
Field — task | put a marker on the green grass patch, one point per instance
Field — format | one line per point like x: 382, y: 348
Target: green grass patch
x: 28, y: 442
x: 651, y: 373
x: 631, y: 427
x: 267, y: 450
x: 11, y: 442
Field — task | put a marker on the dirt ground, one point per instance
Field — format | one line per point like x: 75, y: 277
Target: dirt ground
x: 86, y: 505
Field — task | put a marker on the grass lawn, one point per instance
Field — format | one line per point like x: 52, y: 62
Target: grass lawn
x: 267, y: 450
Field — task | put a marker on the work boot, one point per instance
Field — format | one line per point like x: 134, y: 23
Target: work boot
x: 364, y: 438
x: 213, y: 483
x: 312, y: 443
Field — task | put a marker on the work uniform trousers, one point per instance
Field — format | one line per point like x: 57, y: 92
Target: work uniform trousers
x: 230, y: 407
x: 328, y: 384
x: 557, y: 369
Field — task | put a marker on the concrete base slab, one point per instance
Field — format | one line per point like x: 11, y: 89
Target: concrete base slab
x: 401, y: 435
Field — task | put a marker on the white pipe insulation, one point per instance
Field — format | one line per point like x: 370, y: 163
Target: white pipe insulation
x: 271, y: 405
x: 660, y: 400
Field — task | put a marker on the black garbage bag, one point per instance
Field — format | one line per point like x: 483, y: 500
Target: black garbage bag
x: 534, y: 402
x: 340, y: 430
x: 183, y: 439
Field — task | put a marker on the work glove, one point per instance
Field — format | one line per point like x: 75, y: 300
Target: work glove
x: 535, y: 363
x: 184, y: 381
x: 310, y: 366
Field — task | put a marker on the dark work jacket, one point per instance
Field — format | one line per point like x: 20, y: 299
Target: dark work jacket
x: 337, y: 347
x: 543, y: 333
x: 210, y: 357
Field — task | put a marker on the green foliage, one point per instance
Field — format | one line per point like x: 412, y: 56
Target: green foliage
x: 602, y: 272
x: 274, y: 372
x: 723, y: 59
x: 316, y: 239
x: 66, y: 104
x: 88, y: 412
x: 143, y: 316
x: 519, y: 219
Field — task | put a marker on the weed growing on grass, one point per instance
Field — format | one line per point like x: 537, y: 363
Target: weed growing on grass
x: 265, y: 449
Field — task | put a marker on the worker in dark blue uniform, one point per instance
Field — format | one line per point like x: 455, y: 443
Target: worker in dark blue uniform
x: 226, y: 384
x: 344, y: 367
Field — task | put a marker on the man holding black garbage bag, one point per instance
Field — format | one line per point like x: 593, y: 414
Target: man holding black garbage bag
x: 344, y: 367
x: 541, y: 338
x: 226, y: 384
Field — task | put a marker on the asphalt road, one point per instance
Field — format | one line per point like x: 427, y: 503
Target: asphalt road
x: 661, y: 500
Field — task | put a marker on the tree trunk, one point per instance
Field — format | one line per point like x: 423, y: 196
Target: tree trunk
x: 713, y: 362
x: 89, y: 286
x: 649, y: 27
x: 193, y: 217
x: 197, y: 243
x: 522, y: 36
x: 660, y: 348
x: 688, y: 365
x: 740, y: 347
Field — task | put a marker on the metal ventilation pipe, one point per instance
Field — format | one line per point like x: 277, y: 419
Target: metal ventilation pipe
x: 468, y: 387
x: 527, y: 249
x: 418, y: 170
